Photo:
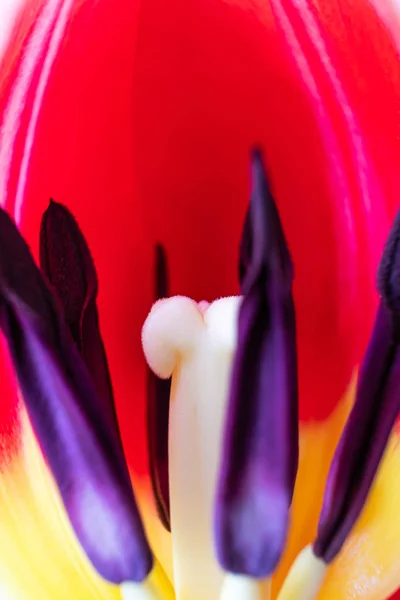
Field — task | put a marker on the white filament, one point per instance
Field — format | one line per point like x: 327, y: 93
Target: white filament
x: 139, y: 591
x: 305, y: 577
x: 238, y: 587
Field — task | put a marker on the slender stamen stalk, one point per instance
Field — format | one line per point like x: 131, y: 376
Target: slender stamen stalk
x: 139, y: 591
x: 156, y: 587
x: 239, y: 587
x: 305, y: 577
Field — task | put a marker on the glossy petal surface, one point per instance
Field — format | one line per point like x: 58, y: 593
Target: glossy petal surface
x: 368, y: 566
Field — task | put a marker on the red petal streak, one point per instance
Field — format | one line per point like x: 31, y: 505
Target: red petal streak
x: 18, y: 23
x: 360, y: 197
x: 368, y: 63
x: 22, y: 106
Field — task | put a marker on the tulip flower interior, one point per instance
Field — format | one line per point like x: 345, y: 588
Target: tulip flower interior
x: 199, y: 378
x: 232, y: 421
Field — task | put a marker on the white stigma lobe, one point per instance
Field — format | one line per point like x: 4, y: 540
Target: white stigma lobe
x: 195, y: 345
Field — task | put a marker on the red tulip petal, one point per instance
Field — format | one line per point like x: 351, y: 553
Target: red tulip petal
x: 155, y: 111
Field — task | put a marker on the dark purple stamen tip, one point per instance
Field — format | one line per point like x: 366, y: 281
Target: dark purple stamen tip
x: 66, y: 261
x: 161, y: 273
x: 83, y: 453
x: 376, y: 407
x: 260, y: 451
x: 263, y: 245
x: 158, y: 393
x: 245, y: 248
x: 389, y: 269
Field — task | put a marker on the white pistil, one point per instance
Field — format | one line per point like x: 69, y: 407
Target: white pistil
x: 305, y: 577
x: 195, y: 345
x: 238, y: 587
x: 139, y: 591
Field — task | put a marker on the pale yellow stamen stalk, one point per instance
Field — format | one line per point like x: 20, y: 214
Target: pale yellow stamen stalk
x: 238, y: 587
x: 139, y: 591
x: 155, y: 587
x: 305, y: 578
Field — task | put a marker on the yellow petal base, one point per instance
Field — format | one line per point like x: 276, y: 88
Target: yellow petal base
x: 368, y: 567
x: 44, y: 559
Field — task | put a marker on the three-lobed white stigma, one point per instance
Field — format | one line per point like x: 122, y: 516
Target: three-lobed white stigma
x: 195, y: 344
